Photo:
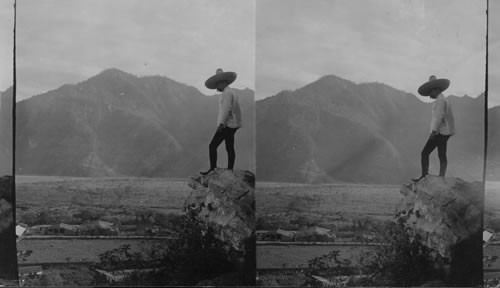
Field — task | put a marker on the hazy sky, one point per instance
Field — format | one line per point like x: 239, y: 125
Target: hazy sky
x: 397, y: 42
x: 6, y: 43
x: 494, y: 54
x: 68, y: 41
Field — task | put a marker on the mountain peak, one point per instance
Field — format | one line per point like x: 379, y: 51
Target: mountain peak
x: 7, y: 91
x: 109, y: 76
x: 6, y: 97
x: 115, y: 72
x: 329, y: 81
x: 332, y: 77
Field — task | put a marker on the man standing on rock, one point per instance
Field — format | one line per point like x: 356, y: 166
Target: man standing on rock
x: 229, y: 119
x: 442, y: 124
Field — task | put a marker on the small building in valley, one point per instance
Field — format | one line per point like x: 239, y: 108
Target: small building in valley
x: 315, y: 234
x: 488, y: 234
x: 29, y: 272
x: 285, y: 235
x: 68, y: 229
x: 20, y: 230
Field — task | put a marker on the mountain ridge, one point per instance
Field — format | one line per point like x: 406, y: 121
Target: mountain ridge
x: 493, y: 156
x: 334, y: 130
x: 115, y: 123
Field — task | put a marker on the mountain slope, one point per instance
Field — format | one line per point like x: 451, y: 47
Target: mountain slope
x: 336, y: 130
x: 6, y: 101
x: 118, y: 124
x: 493, y: 168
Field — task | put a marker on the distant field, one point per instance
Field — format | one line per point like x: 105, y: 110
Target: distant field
x: 58, y: 251
x: 492, y: 251
x: 113, y: 195
x: 492, y: 196
x: 166, y: 195
x: 335, y: 204
x: 492, y: 206
x: 276, y: 257
x: 377, y: 201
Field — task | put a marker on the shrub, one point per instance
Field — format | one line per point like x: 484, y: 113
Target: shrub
x: 67, y: 276
x: 403, y: 261
x: 30, y: 218
x: 89, y: 215
x: 330, y: 266
x: 196, y: 255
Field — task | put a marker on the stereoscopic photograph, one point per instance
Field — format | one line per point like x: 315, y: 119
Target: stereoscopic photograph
x: 270, y: 143
x: 8, y: 265
x: 370, y: 142
x: 135, y: 159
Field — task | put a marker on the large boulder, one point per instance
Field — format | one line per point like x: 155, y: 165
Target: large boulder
x: 224, y: 200
x: 8, y: 257
x: 445, y: 215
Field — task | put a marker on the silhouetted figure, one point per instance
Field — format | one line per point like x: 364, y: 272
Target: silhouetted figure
x: 229, y: 119
x: 442, y: 124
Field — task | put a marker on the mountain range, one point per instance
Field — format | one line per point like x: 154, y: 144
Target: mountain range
x: 493, y: 162
x: 6, y: 101
x: 331, y: 130
x: 118, y: 124
x: 334, y: 130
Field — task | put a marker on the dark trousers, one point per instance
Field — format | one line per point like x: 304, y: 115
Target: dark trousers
x: 225, y: 134
x: 441, y: 142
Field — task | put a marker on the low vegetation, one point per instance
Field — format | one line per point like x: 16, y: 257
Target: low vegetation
x: 403, y: 262
x: 67, y: 276
x: 194, y: 257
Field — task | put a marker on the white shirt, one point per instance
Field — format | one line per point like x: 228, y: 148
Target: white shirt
x: 442, y: 121
x: 229, y: 109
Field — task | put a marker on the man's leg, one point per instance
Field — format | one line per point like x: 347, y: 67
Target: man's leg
x: 443, y: 160
x: 229, y: 140
x: 212, y: 150
x: 424, y: 156
x: 426, y: 152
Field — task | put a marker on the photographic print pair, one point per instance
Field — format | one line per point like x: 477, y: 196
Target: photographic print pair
x: 266, y: 142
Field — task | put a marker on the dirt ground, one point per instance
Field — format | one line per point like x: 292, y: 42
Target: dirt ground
x: 274, y: 257
x: 33, y: 192
x: 376, y: 201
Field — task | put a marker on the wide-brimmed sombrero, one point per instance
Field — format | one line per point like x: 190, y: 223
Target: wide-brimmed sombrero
x: 220, y: 75
x: 433, y: 83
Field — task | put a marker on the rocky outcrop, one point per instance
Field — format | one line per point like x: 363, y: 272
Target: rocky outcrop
x: 445, y: 215
x: 225, y: 201
x: 8, y: 258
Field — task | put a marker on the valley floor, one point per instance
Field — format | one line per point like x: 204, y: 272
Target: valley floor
x: 347, y: 213
x: 491, y: 251
x: 60, y: 216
